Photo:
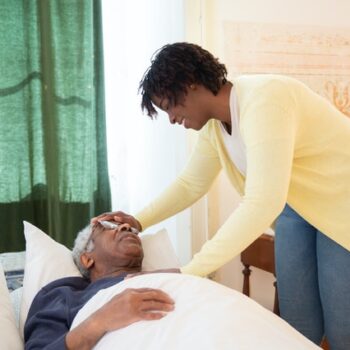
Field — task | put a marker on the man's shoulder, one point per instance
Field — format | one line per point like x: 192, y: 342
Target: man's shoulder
x: 57, y: 290
x: 74, y: 282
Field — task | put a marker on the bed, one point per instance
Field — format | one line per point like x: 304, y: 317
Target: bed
x: 207, y: 315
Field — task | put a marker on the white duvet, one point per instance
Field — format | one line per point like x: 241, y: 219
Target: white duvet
x: 207, y: 316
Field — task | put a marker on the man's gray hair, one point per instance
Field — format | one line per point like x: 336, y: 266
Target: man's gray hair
x: 83, y: 244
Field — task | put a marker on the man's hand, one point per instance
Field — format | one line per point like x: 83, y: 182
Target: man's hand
x: 118, y: 216
x: 134, y: 305
x: 128, y: 307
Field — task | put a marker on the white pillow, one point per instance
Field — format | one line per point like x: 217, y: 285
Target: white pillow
x: 9, y: 334
x: 16, y: 298
x: 158, y: 251
x: 47, y: 260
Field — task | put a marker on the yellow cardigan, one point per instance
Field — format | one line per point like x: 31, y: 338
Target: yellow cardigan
x: 298, y: 151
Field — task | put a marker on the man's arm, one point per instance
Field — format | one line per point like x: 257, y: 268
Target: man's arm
x: 46, y: 325
x: 128, y: 307
x: 52, y: 312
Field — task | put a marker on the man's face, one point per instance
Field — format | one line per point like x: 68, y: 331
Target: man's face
x: 116, y: 248
x: 191, y: 111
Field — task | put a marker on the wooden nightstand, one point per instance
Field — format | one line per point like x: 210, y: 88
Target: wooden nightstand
x: 260, y: 254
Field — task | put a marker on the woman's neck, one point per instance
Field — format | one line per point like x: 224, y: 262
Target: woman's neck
x: 221, y: 109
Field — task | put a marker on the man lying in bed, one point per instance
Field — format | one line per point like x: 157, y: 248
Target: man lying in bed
x: 104, y: 256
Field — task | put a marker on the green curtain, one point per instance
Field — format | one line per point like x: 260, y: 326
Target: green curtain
x: 53, y: 162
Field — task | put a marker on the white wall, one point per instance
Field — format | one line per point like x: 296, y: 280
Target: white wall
x: 144, y: 155
x: 205, y: 26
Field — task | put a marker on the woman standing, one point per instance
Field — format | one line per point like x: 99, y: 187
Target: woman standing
x: 286, y: 150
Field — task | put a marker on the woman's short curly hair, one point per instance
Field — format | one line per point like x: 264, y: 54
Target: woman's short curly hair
x: 174, y: 67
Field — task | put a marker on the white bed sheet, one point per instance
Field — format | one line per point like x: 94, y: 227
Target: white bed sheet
x: 207, y: 316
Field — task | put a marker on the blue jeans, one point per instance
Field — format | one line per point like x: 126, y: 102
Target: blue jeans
x: 313, y: 280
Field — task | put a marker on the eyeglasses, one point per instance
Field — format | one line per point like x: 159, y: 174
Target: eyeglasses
x: 109, y: 226
x: 112, y: 226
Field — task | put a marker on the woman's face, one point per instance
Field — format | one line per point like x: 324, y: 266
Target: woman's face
x: 191, y: 111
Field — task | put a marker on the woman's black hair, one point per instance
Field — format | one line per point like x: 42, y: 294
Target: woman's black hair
x: 174, y: 67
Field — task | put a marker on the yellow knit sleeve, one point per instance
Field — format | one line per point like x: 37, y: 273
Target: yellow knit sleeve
x: 268, y: 132
x: 194, y: 181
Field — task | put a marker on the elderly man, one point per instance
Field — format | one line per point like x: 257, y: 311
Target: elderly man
x: 104, y: 254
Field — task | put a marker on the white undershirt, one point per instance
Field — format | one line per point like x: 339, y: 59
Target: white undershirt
x: 234, y: 143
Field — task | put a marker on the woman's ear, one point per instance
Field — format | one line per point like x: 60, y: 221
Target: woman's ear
x: 193, y: 86
x: 87, y: 261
